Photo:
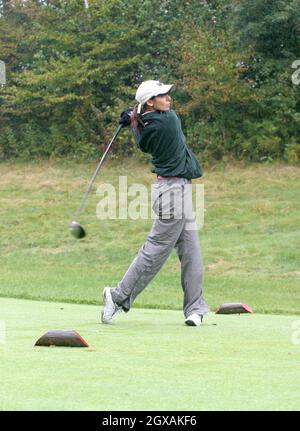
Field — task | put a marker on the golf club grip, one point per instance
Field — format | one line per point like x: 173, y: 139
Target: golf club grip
x: 85, y: 195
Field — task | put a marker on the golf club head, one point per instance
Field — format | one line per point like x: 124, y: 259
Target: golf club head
x: 77, y: 230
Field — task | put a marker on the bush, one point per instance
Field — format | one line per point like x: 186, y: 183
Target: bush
x: 8, y: 143
x: 292, y: 151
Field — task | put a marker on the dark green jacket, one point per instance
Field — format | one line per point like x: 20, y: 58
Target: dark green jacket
x: 163, y: 138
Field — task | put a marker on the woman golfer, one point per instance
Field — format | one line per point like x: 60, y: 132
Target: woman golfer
x: 157, y: 130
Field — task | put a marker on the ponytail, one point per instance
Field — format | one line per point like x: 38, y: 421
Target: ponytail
x: 136, y: 121
x: 135, y: 118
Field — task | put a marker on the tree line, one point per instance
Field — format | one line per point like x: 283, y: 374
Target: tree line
x: 71, y: 70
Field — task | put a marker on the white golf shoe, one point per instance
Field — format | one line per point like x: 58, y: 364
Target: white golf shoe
x: 193, y: 320
x: 110, y: 307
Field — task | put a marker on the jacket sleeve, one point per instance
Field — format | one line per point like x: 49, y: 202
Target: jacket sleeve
x: 145, y: 136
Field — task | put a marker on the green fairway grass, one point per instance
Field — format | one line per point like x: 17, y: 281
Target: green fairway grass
x: 147, y: 360
x: 250, y: 239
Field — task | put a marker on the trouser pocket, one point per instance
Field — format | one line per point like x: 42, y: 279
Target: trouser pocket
x: 167, y: 200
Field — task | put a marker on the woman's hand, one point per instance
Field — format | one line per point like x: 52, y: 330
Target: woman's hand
x: 125, y: 117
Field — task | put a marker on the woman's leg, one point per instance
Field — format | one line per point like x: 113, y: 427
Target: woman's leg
x: 151, y: 257
x: 167, y: 199
x: 189, y: 252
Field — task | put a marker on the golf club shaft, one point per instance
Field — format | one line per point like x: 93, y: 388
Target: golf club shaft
x: 86, y: 193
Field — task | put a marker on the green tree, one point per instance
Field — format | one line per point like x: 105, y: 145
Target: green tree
x: 67, y: 57
x: 230, y: 61
x: 272, y: 30
x: 236, y: 70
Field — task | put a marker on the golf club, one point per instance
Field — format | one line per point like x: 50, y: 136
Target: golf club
x: 77, y: 230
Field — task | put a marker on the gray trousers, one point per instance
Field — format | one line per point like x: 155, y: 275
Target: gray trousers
x: 174, y: 226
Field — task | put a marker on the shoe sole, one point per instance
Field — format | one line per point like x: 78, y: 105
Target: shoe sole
x: 190, y: 323
x: 104, y: 296
x: 106, y: 322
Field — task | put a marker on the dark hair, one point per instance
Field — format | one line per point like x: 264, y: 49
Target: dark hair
x: 136, y: 118
x: 136, y: 121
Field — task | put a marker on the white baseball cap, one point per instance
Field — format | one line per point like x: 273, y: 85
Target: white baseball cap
x: 149, y: 89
